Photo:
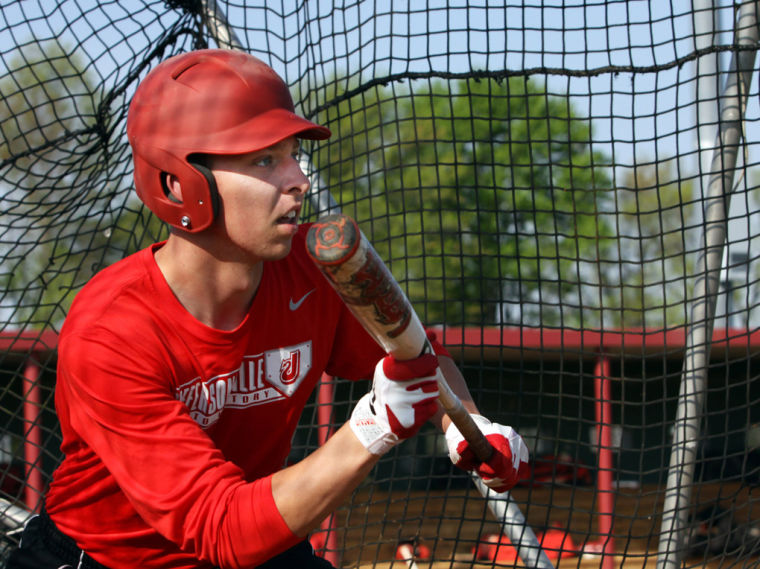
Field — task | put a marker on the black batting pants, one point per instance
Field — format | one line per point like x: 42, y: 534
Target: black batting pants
x: 43, y: 546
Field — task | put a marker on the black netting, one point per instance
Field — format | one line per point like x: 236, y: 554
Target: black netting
x: 565, y: 190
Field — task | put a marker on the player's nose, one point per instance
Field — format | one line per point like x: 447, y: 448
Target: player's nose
x: 296, y: 180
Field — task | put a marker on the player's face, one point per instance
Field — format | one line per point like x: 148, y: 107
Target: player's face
x: 261, y: 195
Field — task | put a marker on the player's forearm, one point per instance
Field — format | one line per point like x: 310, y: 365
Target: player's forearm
x: 308, y: 491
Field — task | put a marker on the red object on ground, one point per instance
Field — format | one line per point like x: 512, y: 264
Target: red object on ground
x: 555, y: 542
x: 420, y: 551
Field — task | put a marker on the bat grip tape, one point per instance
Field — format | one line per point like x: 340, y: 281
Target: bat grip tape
x: 454, y: 408
x: 463, y: 421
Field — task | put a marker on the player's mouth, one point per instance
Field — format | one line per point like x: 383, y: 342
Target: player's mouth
x: 290, y: 218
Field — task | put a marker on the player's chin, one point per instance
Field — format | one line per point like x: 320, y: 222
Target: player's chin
x: 278, y: 241
x: 280, y: 248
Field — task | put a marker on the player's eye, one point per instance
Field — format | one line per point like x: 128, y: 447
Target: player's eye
x: 263, y: 161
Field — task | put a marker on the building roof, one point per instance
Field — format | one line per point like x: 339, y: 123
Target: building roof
x: 497, y: 343
x: 42, y: 344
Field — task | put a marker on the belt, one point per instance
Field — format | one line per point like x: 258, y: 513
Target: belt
x: 65, y: 547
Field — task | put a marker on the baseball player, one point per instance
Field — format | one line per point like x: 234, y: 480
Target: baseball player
x: 183, y: 369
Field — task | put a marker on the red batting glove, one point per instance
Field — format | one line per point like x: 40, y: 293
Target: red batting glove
x: 402, y: 399
x: 502, y: 471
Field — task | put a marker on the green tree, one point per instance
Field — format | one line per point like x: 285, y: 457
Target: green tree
x: 480, y: 194
x: 60, y: 200
x: 657, y: 243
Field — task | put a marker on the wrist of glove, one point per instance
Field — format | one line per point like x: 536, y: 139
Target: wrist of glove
x: 403, y: 397
x: 502, y: 471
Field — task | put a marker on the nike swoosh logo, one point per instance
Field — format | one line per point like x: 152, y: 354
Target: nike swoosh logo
x: 296, y: 305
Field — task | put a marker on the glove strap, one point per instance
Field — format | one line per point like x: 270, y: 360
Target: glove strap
x: 376, y: 439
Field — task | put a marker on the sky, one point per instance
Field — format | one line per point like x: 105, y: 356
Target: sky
x: 389, y: 37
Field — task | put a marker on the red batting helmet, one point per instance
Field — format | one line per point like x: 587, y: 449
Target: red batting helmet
x: 210, y: 101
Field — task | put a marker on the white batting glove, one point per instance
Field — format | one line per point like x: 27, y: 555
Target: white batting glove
x: 402, y: 399
x: 502, y: 471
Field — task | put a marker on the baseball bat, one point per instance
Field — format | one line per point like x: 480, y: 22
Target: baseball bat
x: 346, y: 257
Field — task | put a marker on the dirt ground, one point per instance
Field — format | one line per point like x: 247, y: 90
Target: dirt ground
x: 456, y: 528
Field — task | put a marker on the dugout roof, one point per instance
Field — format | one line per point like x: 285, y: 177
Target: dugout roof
x: 495, y: 343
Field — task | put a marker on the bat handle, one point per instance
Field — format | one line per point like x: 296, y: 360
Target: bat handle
x: 456, y: 411
x: 463, y: 421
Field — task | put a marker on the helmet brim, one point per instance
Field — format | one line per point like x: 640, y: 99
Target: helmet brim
x: 258, y: 133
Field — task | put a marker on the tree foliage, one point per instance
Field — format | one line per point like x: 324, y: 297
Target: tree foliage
x: 59, y: 201
x: 657, y: 242
x: 483, y: 196
x: 486, y: 198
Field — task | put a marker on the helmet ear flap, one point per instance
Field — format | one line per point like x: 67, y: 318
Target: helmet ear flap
x: 213, y: 191
x: 200, y: 198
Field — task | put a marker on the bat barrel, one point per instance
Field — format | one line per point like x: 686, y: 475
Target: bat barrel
x: 333, y: 240
x: 362, y: 280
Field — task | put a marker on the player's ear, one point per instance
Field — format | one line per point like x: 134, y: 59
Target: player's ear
x: 172, y: 187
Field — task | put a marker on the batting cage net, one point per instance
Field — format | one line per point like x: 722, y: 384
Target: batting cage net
x: 566, y: 191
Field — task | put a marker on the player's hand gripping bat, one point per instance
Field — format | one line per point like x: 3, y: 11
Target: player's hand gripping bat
x: 353, y: 267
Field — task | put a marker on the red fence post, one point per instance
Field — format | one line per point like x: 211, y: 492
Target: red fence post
x: 604, y: 480
x: 33, y: 490
x: 325, y: 399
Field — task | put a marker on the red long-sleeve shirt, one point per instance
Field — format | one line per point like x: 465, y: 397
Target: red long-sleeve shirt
x: 171, y: 429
